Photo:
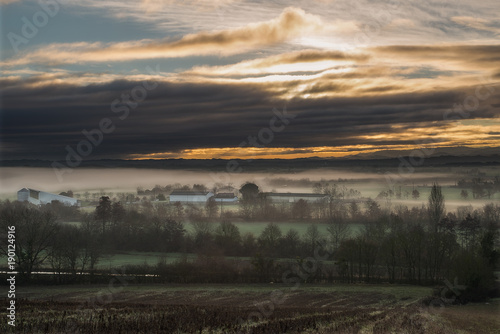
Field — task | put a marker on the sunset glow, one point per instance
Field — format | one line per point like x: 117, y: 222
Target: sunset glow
x: 195, y: 83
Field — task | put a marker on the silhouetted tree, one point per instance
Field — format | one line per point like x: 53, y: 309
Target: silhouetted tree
x: 391, y: 255
x: 468, y: 230
x: 178, y: 211
x: 464, y: 194
x: 103, y: 212
x: 347, y: 256
x: 66, y: 250
x: 62, y: 211
x: 354, y: 210
x: 270, y: 238
x: 415, y: 194
x: 199, y: 187
x: 117, y: 213
x: 203, y: 236
x: 339, y: 231
x: 172, y: 235
x: 35, y: 233
x: 248, y: 244
x: 93, y: 247
x: 68, y: 193
x: 227, y: 236
x: 487, y: 246
x: 301, y: 209
x: 436, y: 206
x: 312, y: 237
x: 250, y: 192
x: 372, y: 209
x: 291, y: 243
x: 211, y: 208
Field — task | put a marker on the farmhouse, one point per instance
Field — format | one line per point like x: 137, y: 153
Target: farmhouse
x: 190, y: 196
x: 226, y: 198
x: 294, y: 197
x: 41, y: 197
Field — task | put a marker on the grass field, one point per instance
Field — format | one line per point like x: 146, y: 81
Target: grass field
x: 256, y: 228
x: 138, y: 258
x: 128, y: 308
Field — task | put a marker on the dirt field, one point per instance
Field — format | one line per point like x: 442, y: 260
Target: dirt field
x: 243, y: 309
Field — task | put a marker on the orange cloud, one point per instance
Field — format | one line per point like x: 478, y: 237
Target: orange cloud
x: 256, y: 153
x: 300, y: 61
x: 455, y: 134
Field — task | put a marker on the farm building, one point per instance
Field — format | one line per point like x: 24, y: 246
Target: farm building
x: 294, y: 197
x: 41, y: 197
x: 190, y: 196
x: 226, y: 198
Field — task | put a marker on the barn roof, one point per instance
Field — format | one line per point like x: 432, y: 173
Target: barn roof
x: 189, y: 193
x: 225, y: 195
x: 45, y: 192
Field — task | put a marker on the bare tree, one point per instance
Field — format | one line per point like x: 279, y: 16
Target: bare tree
x: 436, y: 206
x: 103, y: 212
x: 211, y: 208
x: 203, y: 234
x: 178, y: 211
x: 339, y: 231
x: 93, y: 243
x: 415, y: 194
x: 270, y: 238
x: 291, y: 243
x: 301, y: 209
x: 66, y: 250
x: 227, y: 236
x: 312, y: 237
x: 35, y: 231
x: 464, y: 194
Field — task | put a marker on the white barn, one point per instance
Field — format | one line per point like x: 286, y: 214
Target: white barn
x: 294, y: 197
x: 226, y: 198
x: 41, y: 197
x: 190, y: 196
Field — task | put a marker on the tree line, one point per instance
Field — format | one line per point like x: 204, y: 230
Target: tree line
x: 419, y: 245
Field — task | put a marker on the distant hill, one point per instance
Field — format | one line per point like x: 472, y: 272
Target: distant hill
x: 386, y: 159
x: 438, y: 152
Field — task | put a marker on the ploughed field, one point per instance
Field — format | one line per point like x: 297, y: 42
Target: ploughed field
x: 271, y: 308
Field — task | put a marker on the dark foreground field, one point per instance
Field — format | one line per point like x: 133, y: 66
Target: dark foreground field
x: 243, y: 309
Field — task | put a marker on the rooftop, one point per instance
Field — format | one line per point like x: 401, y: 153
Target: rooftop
x: 225, y: 195
x: 45, y: 192
x: 189, y: 192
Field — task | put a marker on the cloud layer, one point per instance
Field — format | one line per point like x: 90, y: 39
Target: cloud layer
x: 356, y: 80
x: 292, y: 23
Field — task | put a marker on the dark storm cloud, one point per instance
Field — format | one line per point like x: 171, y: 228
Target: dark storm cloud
x: 39, y: 122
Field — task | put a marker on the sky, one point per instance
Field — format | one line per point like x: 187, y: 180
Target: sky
x: 157, y: 79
